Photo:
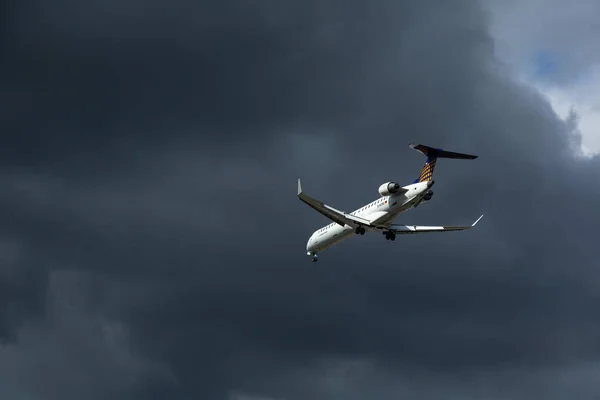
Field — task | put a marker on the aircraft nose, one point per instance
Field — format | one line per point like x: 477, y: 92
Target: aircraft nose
x: 309, y: 244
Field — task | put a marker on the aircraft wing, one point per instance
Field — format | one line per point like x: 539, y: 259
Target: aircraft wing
x: 411, y: 229
x: 333, y: 214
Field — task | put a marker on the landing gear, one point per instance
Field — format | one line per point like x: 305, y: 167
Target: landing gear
x: 315, y: 258
x: 360, y: 230
x: 389, y: 235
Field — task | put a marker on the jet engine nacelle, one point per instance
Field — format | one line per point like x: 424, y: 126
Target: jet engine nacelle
x: 389, y: 188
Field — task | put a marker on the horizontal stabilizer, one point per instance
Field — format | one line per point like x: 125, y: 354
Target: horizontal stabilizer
x: 432, y: 153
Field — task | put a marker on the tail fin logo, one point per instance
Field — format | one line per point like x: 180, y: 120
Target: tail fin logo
x: 427, y: 171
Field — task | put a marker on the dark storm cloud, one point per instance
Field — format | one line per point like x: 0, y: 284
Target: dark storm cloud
x: 154, y: 150
x: 226, y: 71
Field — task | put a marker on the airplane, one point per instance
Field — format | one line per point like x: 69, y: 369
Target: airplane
x: 378, y: 215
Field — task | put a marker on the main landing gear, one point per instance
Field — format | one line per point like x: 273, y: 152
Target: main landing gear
x: 389, y: 235
x: 360, y: 230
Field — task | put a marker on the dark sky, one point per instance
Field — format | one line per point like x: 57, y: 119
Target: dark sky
x: 153, y: 246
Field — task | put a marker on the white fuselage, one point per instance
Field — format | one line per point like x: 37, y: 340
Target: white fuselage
x: 382, y: 211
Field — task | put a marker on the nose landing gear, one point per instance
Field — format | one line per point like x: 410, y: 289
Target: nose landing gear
x: 315, y: 257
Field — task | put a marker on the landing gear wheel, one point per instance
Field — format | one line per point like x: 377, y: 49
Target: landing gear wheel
x: 360, y: 230
x: 390, y: 236
x: 315, y: 258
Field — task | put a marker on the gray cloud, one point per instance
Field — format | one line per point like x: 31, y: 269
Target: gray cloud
x: 153, y: 155
x: 73, y: 347
x: 553, y: 45
x: 525, y: 28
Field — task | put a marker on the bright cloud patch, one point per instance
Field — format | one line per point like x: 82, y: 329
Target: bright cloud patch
x: 554, y: 47
x: 583, y: 97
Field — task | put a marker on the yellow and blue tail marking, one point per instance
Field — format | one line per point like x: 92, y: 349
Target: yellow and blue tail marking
x: 432, y: 156
x: 427, y: 171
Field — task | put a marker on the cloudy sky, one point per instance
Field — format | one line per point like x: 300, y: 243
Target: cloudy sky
x: 152, y: 245
x: 553, y: 46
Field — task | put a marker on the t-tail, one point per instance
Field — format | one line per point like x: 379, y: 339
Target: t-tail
x: 432, y: 156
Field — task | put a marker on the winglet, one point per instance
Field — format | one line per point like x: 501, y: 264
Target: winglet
x: 477, y: 220
x: 299, y: 187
